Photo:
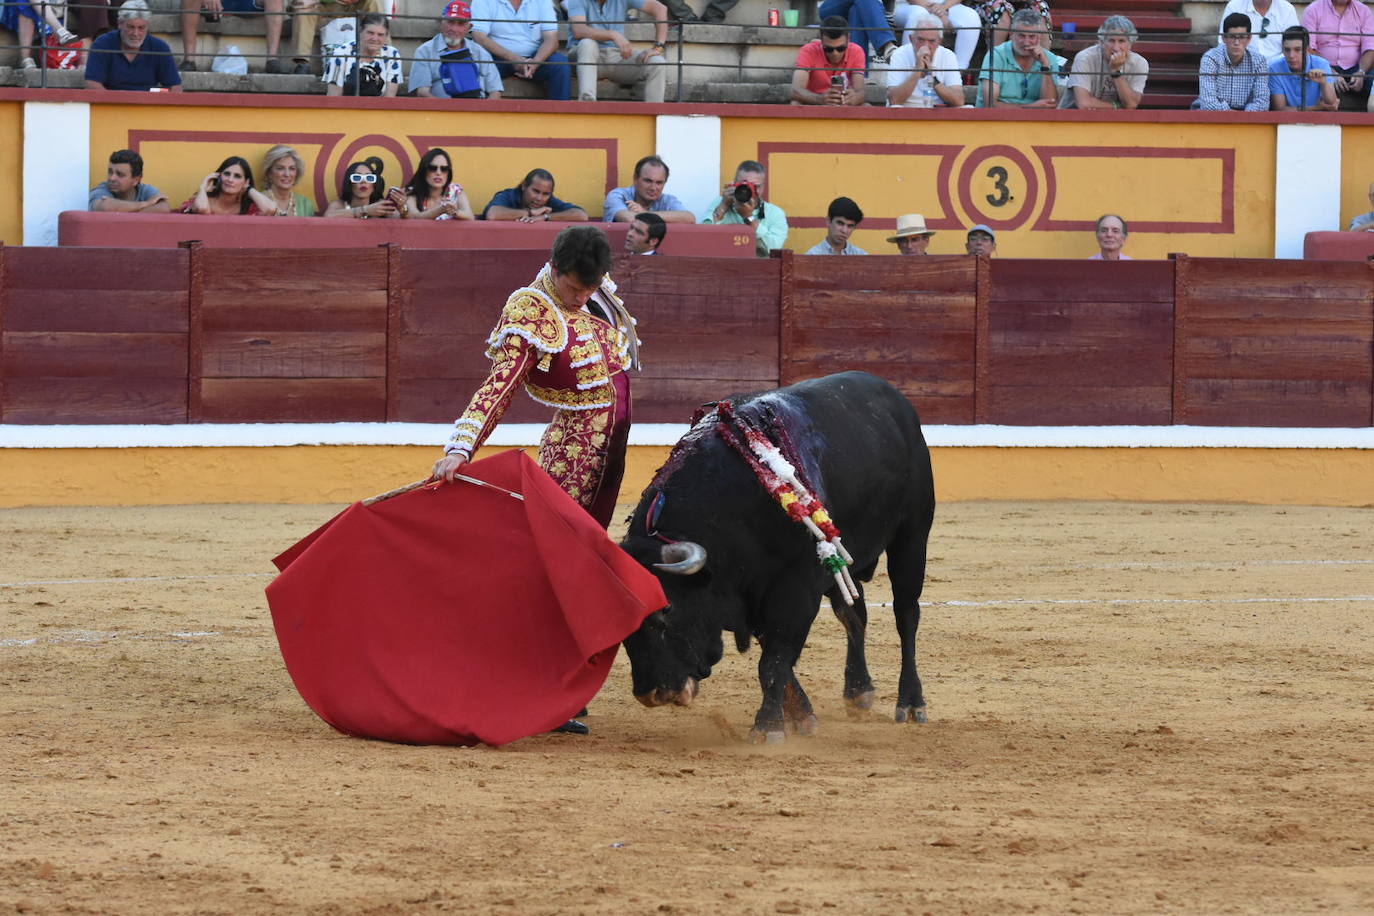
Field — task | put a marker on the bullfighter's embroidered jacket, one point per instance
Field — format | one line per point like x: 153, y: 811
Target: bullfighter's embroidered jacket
x: 564, y: 358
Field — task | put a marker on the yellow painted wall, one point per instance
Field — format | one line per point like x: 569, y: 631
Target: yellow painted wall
x: 1357, y: 172
x: 12, y: 167
x: 945, y: 168
x: 170, y: 476
x: 181, y: 145
x: 895, y: 167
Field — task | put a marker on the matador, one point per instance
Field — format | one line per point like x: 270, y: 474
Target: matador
x: 569, y: 343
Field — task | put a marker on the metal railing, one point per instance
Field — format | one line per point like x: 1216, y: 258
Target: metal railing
x: 972, y: 75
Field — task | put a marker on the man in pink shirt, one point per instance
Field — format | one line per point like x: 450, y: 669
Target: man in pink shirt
x: 830, y: 71
x: 1111, y: 238
x: 1343, y: 33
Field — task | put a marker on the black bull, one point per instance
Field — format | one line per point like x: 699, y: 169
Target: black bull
x: 860, y: 446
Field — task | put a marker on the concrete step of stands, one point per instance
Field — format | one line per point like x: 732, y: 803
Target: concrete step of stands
x: 1147, y: 24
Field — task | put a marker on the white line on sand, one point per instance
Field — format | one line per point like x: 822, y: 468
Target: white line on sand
x: 94, y: 637
x: 115, y: 581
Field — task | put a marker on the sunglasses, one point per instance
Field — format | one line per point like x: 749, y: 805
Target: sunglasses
x: 838, y: 49
x: 1264, y: 27
x: 360, y: 178
x: 439, y: 168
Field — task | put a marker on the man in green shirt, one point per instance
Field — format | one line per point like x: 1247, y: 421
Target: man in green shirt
x: 742, y: 203
x: 1022, y: 72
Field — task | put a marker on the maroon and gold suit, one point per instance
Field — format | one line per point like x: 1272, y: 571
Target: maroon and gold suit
x: 571, y: 360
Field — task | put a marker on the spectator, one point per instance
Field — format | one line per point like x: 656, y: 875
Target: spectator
x: 830, y: 69
x: 123, y: 190
x: 367, y: 66
x: 1233, y: 76
x: 1365, y: 221
x: 306, y: 19
x: 1111, y: 238
x: 229, y: 191
x: 997, y: 15
x: 912, y: 236
x: 129, y: 58
x: 842, y: 218
x: 868, y: 25
x: 962, y: 20
x: 742, y: 202
x: 597, y: 41
x: 90, y: 19
x: 533, y: 202
x: 646, y: 233
x: 1298, y: 79
x: 448, y: 66
x: 522, y: 35
x: 1109, y: 74
x: 651, y: 175
x: 981, y: 240
x: 433, y: 193
x: 714, y: 12
x: 923, y: 73
x: 282, y: 168
x: 1343, y: 33
x: 21, y: 17
x: 273, y: 10
x: 1268, y: 20
x: 1021, y: 72
x: 361, y: 195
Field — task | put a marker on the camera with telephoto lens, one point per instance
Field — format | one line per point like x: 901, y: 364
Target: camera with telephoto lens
x: 742, y: 192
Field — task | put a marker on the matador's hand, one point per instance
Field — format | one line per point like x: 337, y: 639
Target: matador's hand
x: 446, y: 467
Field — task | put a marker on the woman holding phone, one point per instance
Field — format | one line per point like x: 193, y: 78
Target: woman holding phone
x: 361, y: 194
x: 229, y: 191
x: 432, y: 192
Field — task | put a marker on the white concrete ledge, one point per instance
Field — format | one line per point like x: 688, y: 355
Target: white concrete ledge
x: 263, y: 435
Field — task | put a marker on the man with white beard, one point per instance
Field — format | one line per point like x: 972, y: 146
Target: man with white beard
x: 448, y: 66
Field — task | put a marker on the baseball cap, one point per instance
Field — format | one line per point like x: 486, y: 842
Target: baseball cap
x: 458, y: 9
x: 981, y: 228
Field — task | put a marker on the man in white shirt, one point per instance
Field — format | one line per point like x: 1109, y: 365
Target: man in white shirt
x: 1268, y: 19
x: 923, y: 73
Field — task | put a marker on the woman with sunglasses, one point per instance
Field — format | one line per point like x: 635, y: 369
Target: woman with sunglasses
x: 432, y: 193
x: 229, y: 191
x: 361, y: 193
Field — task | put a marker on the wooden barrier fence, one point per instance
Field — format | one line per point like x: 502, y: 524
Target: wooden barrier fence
x: 204, y: 334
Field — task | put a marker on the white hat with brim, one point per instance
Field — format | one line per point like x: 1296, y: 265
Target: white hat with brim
x: 909, y: 224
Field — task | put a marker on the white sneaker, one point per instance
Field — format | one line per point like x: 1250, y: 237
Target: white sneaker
x: 65, y: 36
x: 28, y: 64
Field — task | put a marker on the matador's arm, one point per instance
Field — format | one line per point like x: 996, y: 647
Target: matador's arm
x: 510, y: 366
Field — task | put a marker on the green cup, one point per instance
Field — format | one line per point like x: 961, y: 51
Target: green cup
x: 791, y: 18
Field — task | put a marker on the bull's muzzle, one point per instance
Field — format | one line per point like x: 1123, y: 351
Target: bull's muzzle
x: 664, y: 697
x: 681, y: 558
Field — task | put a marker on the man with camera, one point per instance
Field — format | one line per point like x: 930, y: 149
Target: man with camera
x: 742, y: 203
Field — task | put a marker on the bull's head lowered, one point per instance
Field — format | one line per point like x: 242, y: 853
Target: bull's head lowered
x: 674, y: 649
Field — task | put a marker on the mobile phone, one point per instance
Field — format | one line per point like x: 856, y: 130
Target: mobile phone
x: 837, y: 82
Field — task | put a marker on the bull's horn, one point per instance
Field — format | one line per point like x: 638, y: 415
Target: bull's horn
x: 682, y: 558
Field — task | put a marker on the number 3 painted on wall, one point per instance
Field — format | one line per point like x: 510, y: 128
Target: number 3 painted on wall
x: 999, y: 177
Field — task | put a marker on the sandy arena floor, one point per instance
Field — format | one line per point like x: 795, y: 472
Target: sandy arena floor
x: 1133, y: 709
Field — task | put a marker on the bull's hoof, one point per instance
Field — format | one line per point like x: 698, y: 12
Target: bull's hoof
x: 806, y: 725
x: 859, y: 702
x: 767, y: 737
x: 916, y: 714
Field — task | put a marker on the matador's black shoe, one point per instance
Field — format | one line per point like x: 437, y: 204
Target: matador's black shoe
x: 572, y: 727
